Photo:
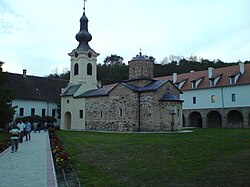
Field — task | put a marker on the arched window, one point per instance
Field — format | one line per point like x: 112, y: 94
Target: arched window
x: 89, y: 69
x: 76, y: 69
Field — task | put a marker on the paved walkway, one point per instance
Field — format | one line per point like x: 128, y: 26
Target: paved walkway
x: 31, y: 166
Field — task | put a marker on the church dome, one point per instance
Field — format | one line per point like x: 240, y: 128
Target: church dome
x: 83, y: 36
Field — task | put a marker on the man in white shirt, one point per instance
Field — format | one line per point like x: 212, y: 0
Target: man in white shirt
x: 21, y: 126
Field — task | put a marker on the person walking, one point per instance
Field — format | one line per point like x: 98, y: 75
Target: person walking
x: 15, y: 133
x: 35, y: 126
x: 27, y: 130
x: 21, y: 126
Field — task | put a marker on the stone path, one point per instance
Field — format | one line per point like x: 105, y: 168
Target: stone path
x: 31, y: 166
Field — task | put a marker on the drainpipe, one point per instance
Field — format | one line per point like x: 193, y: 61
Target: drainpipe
x: 139, y: 111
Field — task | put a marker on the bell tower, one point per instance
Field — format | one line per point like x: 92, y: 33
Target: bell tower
x: 83, y: 77
x: 83, y: 59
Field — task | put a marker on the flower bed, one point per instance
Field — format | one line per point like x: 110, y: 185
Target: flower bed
x: 4, y: 144
x: 61, y: 157
x: 65, y: 172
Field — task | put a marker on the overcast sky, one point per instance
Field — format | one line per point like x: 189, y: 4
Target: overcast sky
x: 37, y: 35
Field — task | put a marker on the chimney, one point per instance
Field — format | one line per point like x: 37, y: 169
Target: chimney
x: 242, y: 67
x: 174, y: 77
x: 24, y: 72
x: 210, y: 72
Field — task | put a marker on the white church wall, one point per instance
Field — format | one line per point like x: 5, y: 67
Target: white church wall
x: 73, y: 106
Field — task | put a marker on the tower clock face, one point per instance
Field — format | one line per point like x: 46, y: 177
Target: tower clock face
x: 89, y: 54
x: 76, y: 54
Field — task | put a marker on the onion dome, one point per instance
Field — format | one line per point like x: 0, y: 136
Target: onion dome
x: 83, y: 36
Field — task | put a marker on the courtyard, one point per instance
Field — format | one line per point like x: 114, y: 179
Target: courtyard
x: 206, y: 157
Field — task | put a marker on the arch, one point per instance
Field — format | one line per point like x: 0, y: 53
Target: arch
x: 195, y: 119
x: 76, y: 69
x: 89, y: 69
x: 67, y: 120
x: 214, y: 119
x: 234, y: 119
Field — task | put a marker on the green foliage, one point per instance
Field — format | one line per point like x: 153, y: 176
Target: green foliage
x: 6, y: 96
x: 37, y: 119
x: 112, y: 74
x: 113, y: 60
x: 4, y: 140
x: 206, y: 157
x: 114, y: 70
x: 64, y: 75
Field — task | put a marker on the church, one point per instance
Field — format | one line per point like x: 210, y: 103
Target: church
x: 140, y: 103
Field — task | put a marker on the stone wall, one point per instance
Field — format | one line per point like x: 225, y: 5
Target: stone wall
x: 120, y: 111
x: 237, y: 117
x: 140, y: 68
x: 116, y: 112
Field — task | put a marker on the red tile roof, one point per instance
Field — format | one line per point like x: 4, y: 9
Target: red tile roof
x: 224, y: 79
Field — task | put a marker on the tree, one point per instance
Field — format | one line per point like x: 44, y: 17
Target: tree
x: 64, y: 75
x: 6, y: 96
x: 113, y: 60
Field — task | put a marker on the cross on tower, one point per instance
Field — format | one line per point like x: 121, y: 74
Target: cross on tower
x: 84, y: 5
x: 140, y: 51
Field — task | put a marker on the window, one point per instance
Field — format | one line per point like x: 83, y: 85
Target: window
x: 212, y: 98
x: 53, y: 112
x: 101, y: 114
x: 194, y: 100
x: 212, y: 81
x: 81, y: 114
x: 76, y: 69
x: 21, y: 111
x: 141, y: 70
x: 33, y: 111
x: 121, y: 112
x: 233, y: 97
x: 133, y: 71
x: 67, y: 101
x: 232, y: 80
x: 89, y: 69
x: 194, y: 84
x: 43, y: 112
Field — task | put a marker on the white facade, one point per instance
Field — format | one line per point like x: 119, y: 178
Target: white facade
x: 34, y: 107
x: 82, y: 78
x: 222, y: 97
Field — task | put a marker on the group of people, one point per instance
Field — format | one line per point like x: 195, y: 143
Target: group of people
x: 18, y: 131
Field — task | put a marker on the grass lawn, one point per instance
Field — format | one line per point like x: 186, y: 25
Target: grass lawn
x: 206, y: 157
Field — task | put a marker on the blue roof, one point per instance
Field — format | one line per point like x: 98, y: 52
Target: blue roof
x: 71, y: 90
x: 97, y: 92
x: 150, y: 87
x: 170, y: 97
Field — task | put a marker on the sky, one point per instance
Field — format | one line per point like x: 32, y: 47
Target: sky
x: 38, y: 35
